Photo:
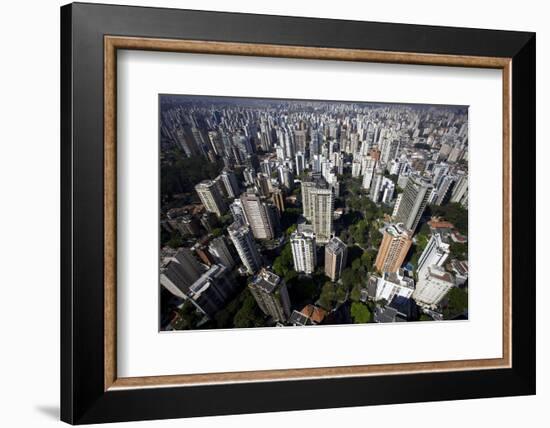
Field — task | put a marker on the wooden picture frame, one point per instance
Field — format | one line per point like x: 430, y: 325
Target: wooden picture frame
x: 91, y: 390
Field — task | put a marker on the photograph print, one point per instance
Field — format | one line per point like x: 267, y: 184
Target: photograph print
x: 288, y: 212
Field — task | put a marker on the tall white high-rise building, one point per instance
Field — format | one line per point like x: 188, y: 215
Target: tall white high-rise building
x: 307, y: 186
x: 356, y: 168
x: 376, y: 185
x: 220, y: 251
x: 386, y: 191
x: 460, y: 190
x: 322, y: 213
x: 303, y: 247
x: 300, y: 161
x: 369, y: 165
x: 211, y: 197
x: 230, y: 182
x: 390, y: 148
x: 435, y: 253
x: 237, y: 211
x: 286, y: 176
x: 414, y: 200
x: 396, y: 206
x: 445, y: 189
x: 242, y: 239
x: 257, y: 215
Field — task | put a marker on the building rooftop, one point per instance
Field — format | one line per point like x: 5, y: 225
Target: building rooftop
x: 298, y: 318
x: 315, y: 313
x: 204, y: 183
x: 437, y: 223
x: 387, y: 314
x: 266, y: 280
x: 305, y: 228
x: 399, y: 278
x: 460, y: 267
x: 397, y: 230
x: 201, y: 284
x: 336, y: 245
x: 439, y: 273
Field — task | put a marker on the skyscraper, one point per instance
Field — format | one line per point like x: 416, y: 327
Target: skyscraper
x: 271, y: 294
x: 376, y: 185
x: 278, y: 200
x: 263, y: 184
x: 396, y: 242
x: 300, y: 162
x: 246, y: 247
x: 390, y: 148
x: 300, y: 140
x: 414, y: 200
x: 303, y: 247
x: 237, y: 211
x: 212, y: 290
x: 211, y: 197
x: 180, y: 272
x: 307, y: 186
x: 356, y: 168
x: 335, y: 258
x: 368, y: 167
x: 230, y: 182
x: 322, y: 212
x: 286, y: 177
x: 220, y: 251
x: 445, y: 189
x: 435, y: 253
x: 257, y: 215
x: 460, y: 190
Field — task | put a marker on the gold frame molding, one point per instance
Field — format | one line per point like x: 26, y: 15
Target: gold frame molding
x: 113, y: 43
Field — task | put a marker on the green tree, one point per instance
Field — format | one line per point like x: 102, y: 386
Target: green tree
x: 459, y: 250
x: 454, y: 213
x: 355, y: 294
x: 249, y: 315
x: 328, y: 296
x: 360, y: 313
x: 189, y: 317
x: 368, y: 258
x: 283, y: 264
x: 217, y: 232
x: 375, y: 238
x: 340, y: 293
x: 290, y: 230
x: 457, y: 303
x: 175, y: 241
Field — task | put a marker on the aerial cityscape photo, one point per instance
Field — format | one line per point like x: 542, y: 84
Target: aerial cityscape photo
x: 280, y: 212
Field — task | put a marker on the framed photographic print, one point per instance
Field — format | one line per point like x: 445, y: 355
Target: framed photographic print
x: 257, y: 207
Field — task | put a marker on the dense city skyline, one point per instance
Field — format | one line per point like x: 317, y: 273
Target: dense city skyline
x: 278, y: 212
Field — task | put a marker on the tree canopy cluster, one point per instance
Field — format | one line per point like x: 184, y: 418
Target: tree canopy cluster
x: 180, y: 174
x: 457, y: 303
x: 249, y: 314
x: 453, y: 212
x: 283, y: 265
x: 360, y: 313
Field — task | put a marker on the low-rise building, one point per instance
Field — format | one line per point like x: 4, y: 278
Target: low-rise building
x: 389, y: 285
x: 309, y: 315
x: 432, y: 286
